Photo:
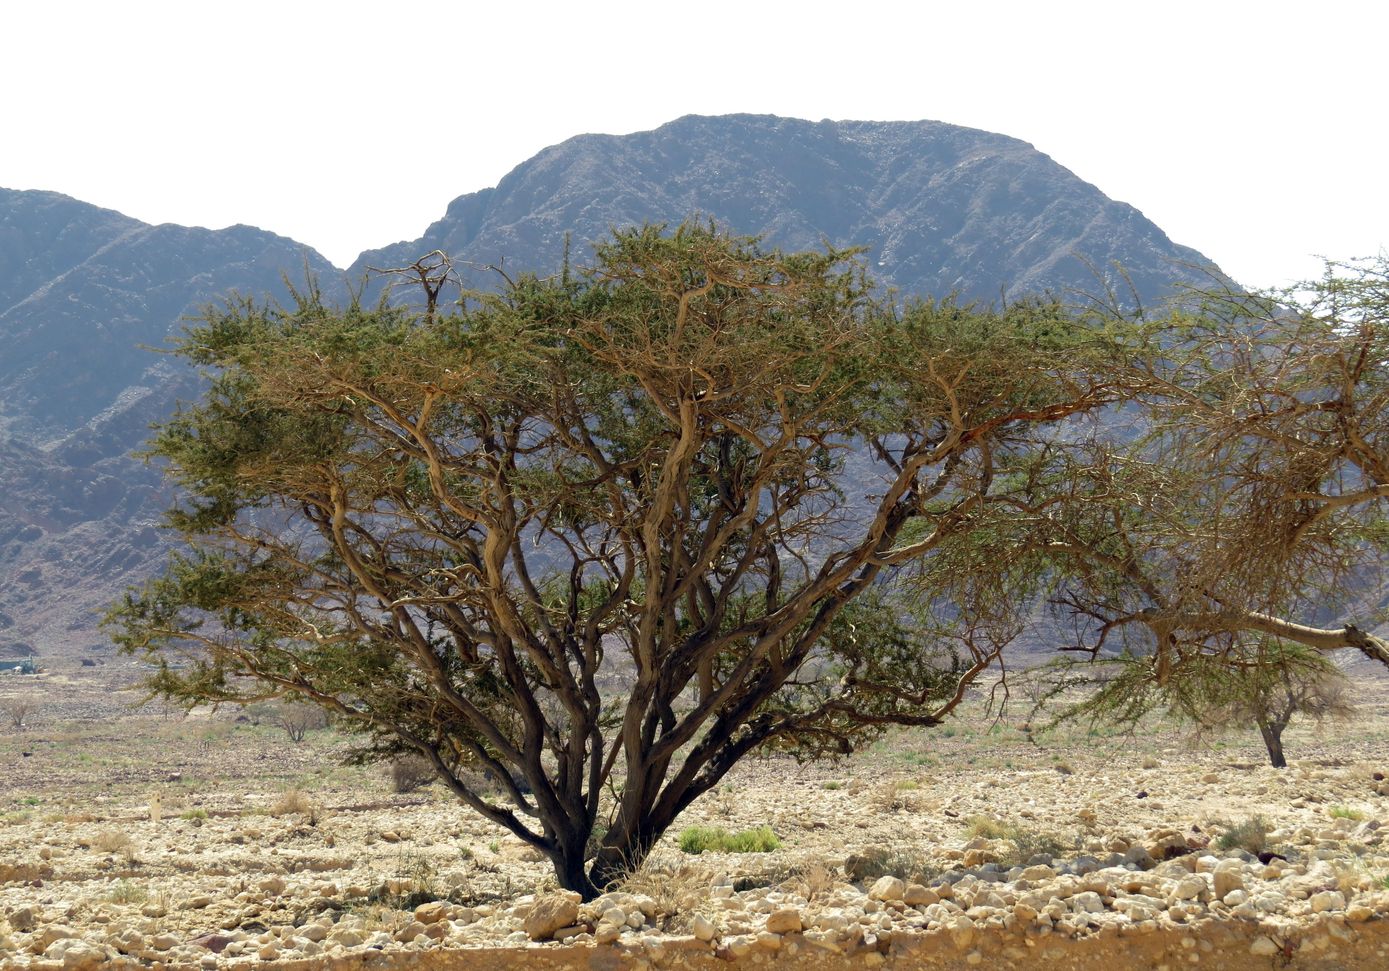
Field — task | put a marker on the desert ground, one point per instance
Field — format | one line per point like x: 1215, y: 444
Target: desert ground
x: 140, y: 837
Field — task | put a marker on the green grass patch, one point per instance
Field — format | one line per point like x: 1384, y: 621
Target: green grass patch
x: 1345, y: 812
x: 698, y: 839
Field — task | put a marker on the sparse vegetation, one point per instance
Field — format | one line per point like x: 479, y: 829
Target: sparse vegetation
x: 298, y: 720
x: 293, y: 801
x: 19, y: 711
x: 411, y: 772
x: 702, y: 839
x: 1250, y: 835
x: 114, y: 841
x: 125, y: 892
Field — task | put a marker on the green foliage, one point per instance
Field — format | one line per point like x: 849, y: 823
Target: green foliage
x: 700, y: 839
x: 1250, y: 835
x: 1345, y: 812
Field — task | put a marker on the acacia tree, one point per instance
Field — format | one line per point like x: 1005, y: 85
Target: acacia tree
x: 1275, y: 683
x: 1248, y: 505
x: 602, y: 537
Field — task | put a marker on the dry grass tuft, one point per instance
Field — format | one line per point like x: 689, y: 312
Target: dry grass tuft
x: 114, y: 841
x: 293, y: 801
x: 679, y: 889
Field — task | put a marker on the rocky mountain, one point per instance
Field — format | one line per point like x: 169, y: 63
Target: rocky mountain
x: 942, y: 209
x: 86, y: 292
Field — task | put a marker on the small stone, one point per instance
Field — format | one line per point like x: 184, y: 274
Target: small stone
x: 1189, y: 888
x: 273, y: 886
x: 550, y: 913
x: 24, y: 919
x: 887, y: 888
x: 390, y: 836
x: 411, y: 931
x: 1328, y: 900
x: 76, y: 954
x: 918, y: 896
x: 769, y: 940
x: 1264, y: 946
x: 53, y: 932
x: 1227, y: 876
x: 216, y: 943
x: 703, y: 928
x: 163, y: 942
x: 432, y: 912
x: 787, y: 920
x: 606, y: 933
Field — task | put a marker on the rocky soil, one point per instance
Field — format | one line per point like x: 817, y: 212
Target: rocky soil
x: 128, y: 839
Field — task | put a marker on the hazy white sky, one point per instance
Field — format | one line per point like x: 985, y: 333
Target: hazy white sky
x: 1252, y: 131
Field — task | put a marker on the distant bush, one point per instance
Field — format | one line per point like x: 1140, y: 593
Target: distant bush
x: 293, y: 801
x: 299, y: 720
x: 114, y: 841
x: 698, y: 839
x: 18, y: 711
x: 411, y: 772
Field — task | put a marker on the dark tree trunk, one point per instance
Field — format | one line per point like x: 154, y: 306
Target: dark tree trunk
x: 1273, y: 741
x: 571, y: 870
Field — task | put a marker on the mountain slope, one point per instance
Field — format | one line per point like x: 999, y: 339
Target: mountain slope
x: 84, y: 294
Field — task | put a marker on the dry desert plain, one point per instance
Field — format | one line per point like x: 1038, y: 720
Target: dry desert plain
x: 145, y: 838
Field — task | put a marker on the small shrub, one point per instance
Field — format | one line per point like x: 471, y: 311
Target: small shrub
x: 125, y: 892
x: 678, y: 889
x: 114, y: 841
x: 988, y: 828
x: 813, y: 881
x: 699, y: 839
x: 191, y: 814
x: 411, y: 772
x: 1345, y: 812
x: 19, y: 711
x: 832, y: 785
x: 298, y: 720
x: 1027, y: 843
x: 878, y: 862
x: 292, y: 801
x: 1250, y: 835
